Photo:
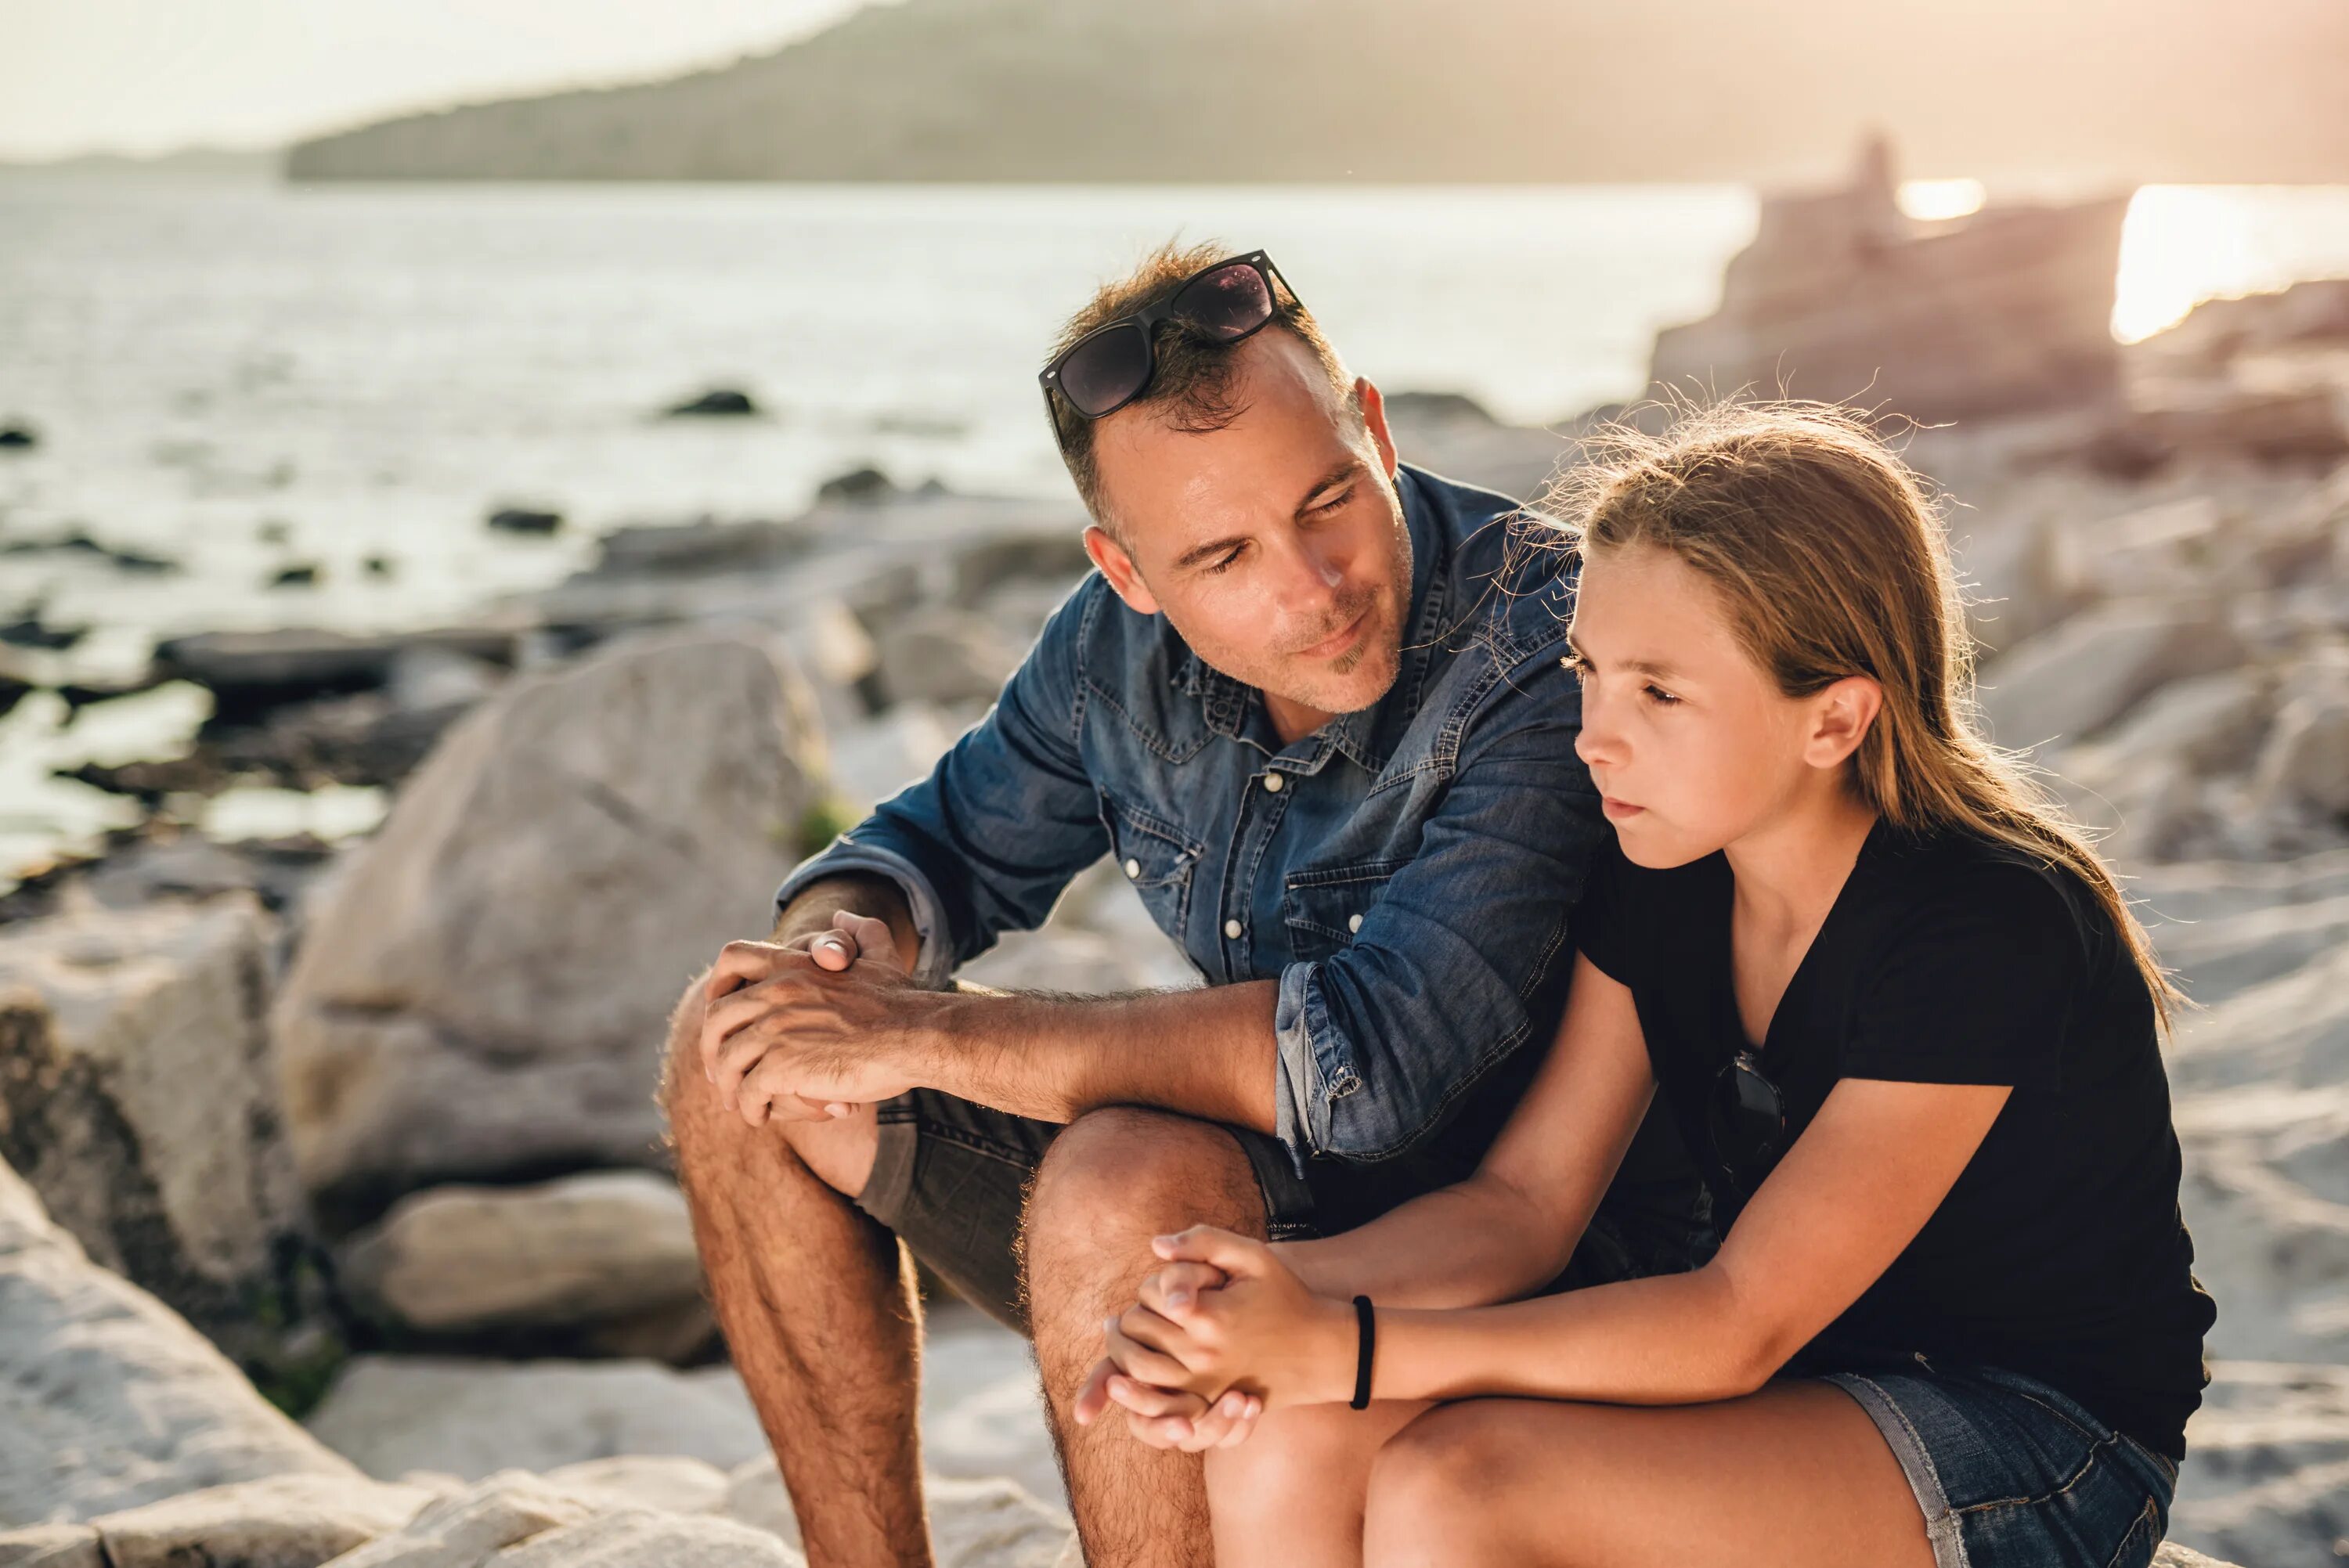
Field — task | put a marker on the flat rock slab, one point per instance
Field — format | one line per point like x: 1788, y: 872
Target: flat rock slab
x: 107, y: 1398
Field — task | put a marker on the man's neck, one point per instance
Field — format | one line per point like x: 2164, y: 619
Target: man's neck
x: 1292, y: 721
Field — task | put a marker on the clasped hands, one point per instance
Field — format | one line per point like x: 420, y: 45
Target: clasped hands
x: 1224, y: 1332
x: 816, y: 1026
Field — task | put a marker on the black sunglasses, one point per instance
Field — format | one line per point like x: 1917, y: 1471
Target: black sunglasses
x: 1745, y: 1119
x: 1112, y: 365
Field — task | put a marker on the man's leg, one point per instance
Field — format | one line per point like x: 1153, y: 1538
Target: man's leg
x: 818, y: 1306
x: 1108, y: 1184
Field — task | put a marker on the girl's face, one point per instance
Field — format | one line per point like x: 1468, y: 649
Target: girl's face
x: 1692, y: 747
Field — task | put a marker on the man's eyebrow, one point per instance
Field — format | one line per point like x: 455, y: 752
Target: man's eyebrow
x: 1345, y: 470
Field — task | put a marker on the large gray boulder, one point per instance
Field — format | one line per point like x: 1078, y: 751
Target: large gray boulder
x: 138, y: 1098
x: 604, y: 1260
x: 107, y: 1398
x: 486, y: 995
x: 2073, y: 679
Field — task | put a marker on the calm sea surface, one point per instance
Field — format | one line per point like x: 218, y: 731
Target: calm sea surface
x: 243, y: 377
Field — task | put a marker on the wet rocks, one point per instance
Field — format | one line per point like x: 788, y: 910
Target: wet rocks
x: 720, y: 402
x: 249, y: 672
x: 15, y: 438
x: 531, y: 521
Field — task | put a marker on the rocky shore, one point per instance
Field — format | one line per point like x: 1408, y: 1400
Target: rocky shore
x: 363, y: 1134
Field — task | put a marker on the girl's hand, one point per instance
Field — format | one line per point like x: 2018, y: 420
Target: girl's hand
x: 1169, y: 1418
x: 1263, y: 1333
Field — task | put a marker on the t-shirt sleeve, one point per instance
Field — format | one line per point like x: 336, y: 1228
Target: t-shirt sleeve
x: 1976, y: 988
x: 1601, y: 914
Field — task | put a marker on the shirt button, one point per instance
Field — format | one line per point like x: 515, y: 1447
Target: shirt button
x: 1272, y: 783
x: 1354, y: 923
x: 1232, y: 928
x: 1132, y: 869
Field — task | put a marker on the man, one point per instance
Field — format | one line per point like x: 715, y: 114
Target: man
x: 1312, y: 706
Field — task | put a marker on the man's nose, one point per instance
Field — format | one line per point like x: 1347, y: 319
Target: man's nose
x: 1318, y: 572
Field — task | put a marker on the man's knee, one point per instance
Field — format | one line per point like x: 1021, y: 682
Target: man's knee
x: 838, y: 1152
x: 1118, y: 1176
x: 680, y: 1070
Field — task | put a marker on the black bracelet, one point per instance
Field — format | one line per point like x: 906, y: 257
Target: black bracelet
x: 1367, y: 1342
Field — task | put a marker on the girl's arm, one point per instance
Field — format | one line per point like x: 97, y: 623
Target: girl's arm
x: 1509, y: 1228
x: 1851, y: 1193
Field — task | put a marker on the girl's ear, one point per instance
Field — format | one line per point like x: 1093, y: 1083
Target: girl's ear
x: 1841, y: 715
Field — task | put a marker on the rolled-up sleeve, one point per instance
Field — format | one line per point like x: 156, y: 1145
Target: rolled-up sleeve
x: 989, y: 839
x: 1449, y: 970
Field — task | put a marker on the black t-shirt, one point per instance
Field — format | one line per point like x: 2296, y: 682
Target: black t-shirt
x: 2061, y: 1252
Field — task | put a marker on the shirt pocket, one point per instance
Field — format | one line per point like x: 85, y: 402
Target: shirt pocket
x: 1325, y: 907
x: 1157, y: 857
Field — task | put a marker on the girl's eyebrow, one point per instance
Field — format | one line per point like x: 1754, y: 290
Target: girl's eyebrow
x: 1638, y: 667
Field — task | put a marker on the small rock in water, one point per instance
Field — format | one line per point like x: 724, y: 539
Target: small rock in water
x: 864, y: 484
x: 275, y: 532
x: 378, y: 566
x: 17, y: 437
x: 29, y: 631
x: 302, y: 575
x: 524, y: 520
x: 718, y: 400
x: 81, y: 542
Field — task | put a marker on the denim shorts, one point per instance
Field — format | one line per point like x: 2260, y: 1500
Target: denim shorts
x: 951, y: 1179
x: 2011, y: 1473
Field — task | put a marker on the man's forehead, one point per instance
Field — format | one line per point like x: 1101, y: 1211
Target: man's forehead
x: 1288, y: 430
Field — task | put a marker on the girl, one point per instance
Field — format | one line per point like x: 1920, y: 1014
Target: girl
x: 1902, y: 1016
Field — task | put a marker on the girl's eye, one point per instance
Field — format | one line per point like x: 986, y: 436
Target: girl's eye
x: 1659, y: 696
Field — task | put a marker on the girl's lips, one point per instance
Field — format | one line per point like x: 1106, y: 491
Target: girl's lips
x: 1618, y: 811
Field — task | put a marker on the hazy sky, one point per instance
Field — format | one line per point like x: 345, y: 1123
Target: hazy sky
x: 147, y: 75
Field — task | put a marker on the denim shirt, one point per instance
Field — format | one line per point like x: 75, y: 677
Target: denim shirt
x: 1405, y: 873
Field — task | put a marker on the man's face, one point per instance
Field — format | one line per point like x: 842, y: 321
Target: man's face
x: 1275, y: 546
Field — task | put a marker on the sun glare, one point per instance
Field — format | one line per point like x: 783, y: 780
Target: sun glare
x: 1929, y: 199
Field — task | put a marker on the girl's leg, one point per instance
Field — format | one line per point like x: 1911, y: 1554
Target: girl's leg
x: 1291, y: 1495
x: 1795, y: 1476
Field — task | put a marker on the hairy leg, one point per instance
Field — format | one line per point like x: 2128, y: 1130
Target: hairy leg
x: 1795, y: 1476
x: 1292, y: 1495
x: 1108, y: 1184
x: 817, y: 1303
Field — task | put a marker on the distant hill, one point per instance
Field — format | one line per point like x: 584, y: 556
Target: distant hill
x: 188, y: 163
x: 2084, y: 91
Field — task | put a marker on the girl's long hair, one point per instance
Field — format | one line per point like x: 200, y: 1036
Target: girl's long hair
x: 1834, y: 562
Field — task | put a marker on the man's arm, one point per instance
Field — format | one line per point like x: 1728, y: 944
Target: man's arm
x: 1359, y: 1055
x: 812, y: 911
x: 786, y: 1025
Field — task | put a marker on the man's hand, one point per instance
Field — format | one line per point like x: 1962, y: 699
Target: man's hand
x: 809, y: 1027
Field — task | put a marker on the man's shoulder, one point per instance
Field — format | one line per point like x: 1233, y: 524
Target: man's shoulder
x: 1511, y: 588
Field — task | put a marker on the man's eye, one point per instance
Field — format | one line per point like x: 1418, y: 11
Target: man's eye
x: 1334, y: 502
x: 1218, y: 569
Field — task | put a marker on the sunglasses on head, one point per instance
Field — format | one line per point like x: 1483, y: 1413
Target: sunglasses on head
x: 1745, y: 1121
x: 1112, y: 365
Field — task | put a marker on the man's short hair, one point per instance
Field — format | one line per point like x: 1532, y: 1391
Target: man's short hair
x: 1191, y: 389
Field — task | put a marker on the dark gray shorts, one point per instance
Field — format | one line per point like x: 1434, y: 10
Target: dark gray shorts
x: 951, y: 1178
